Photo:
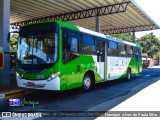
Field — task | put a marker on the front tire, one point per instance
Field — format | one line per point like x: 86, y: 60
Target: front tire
x: 87, y: 82
x: 128, y: 75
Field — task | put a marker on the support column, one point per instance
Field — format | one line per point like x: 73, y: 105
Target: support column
x: 133, y: 37
x: 97, y: 24
x: 4, y: 30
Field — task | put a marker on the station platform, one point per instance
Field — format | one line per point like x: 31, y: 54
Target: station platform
x: 12, y: 85
x: 10, y: 89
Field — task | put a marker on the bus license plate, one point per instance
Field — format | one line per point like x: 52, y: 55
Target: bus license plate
x: 30, y: 84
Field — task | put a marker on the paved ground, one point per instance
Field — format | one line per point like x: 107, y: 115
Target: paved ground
x: 141, y: 93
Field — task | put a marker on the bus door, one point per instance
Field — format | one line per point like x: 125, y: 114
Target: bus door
x: 137, y: 59
x: 70, y: 58
x: 100, y: 47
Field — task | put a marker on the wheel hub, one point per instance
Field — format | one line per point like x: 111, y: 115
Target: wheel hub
x: 87, y: 82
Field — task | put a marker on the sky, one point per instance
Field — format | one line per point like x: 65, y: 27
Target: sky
x: 152, y: 8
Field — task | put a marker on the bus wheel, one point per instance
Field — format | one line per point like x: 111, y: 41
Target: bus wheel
x: 128, y: 75
x: 87, y: 82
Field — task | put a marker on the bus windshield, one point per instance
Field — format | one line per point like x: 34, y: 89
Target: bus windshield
x: 36, y: 48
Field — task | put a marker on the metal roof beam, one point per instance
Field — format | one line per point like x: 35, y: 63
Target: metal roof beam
x: 129, y: 29
x: 98, y: 11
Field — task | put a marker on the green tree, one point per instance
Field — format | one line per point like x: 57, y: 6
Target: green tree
x: 13, y: 42
x: 150, y: 45
x: 123, y: 36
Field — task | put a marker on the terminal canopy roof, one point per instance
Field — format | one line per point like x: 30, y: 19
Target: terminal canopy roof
x: 116, y: 16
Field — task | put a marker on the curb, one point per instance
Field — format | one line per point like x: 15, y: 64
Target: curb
x: 4, y: 94
x: 14, y: 93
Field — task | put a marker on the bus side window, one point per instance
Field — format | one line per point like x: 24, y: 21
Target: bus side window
x: 113, y: 49
x: 70, y: 46
x: 129, y: 51
x: 121, y: 49
x: 88, y: 44
x: 64, y: 38
x: 136, y: 54
x: 100, y: 47
x: 140, y: 54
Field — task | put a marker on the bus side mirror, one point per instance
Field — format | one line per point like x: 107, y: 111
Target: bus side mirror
x: 8, y: 38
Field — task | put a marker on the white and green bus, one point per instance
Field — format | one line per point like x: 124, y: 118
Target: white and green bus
x: 55, y: 55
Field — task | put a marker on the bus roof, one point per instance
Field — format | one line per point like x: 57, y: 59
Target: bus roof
x: 108, y: 37
x: 84, y: 30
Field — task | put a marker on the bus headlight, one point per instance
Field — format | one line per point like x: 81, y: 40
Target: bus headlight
x: 18, y: 76
x: 53, y: 76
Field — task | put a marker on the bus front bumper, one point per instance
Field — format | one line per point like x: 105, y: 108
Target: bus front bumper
x: 53, y: 84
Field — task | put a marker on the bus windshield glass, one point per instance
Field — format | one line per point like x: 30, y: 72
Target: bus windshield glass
x: 38, y: 46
